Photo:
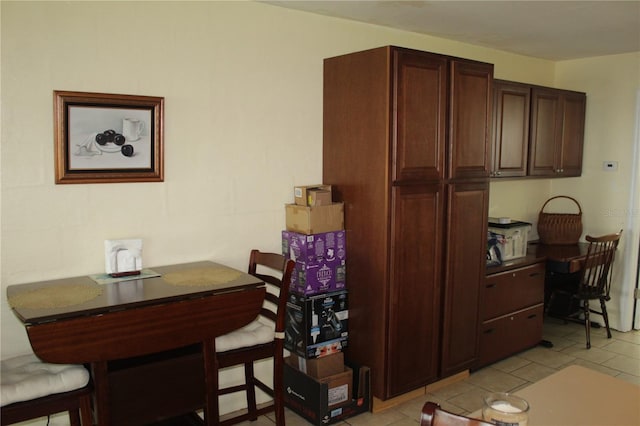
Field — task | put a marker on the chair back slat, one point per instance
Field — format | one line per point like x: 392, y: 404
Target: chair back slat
x: 275, y: 270
x: 596, y: 269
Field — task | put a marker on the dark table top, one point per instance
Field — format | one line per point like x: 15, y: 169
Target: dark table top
x: 130, y: 294
x: 559, y: 258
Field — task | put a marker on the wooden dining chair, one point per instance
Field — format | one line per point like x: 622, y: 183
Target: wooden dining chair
x: 433, y: 415
x: 594, y: 281
x: 32, y: 389
x: 261, y: 339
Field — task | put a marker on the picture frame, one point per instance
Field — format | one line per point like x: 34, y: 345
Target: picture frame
x: 108, y: 138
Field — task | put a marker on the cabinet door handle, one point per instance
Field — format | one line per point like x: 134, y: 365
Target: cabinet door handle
x: 490, y: 285
x: 532, y: 316
x: 489, y: 331
x: 534, y: 274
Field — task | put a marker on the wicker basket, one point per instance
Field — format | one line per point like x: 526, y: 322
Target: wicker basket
x: 559, y: 228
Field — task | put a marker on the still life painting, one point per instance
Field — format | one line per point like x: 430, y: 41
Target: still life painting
x: 102, y: 138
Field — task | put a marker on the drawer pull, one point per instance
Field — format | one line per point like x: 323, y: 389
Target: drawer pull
x: 532, y: 316
x: 489, y: 331
x: 534, y: 274
x: 490, y: 285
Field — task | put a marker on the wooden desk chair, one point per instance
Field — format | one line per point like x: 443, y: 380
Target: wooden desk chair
x: 32, y: 389
x: 433, y: 415
x: 594, y: 282
x: 261, y: 339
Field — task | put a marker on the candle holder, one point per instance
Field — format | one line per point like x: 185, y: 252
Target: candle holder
x: 504, y: 409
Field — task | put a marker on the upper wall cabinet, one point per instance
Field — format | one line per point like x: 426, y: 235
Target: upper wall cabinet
x: 510, y: 138
x: 537, y: 131
x: 557, y: 132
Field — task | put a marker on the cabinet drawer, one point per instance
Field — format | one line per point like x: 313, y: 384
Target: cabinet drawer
x: 512, y: 290
x: 509, y: 334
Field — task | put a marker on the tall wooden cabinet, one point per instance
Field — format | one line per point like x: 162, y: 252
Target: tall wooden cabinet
x: 406, y: 149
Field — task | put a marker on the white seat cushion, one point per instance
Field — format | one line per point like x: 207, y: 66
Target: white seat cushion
x: 259, y: 331
x: 26, y: 377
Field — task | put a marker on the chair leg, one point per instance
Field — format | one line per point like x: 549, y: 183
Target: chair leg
x: 605, y: 315
x: 251, y: 390
x: 278, y: 391
x: 587, y: 322
x: 86, y: 415
x: 74, y: 418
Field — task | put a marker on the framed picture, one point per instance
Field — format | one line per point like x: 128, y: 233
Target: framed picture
x: 107, y: 138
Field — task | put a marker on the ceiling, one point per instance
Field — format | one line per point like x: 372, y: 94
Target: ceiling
x: 554, y: 30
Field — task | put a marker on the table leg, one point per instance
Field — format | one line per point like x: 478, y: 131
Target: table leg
x: 211, y: 408
x: 101, y: 392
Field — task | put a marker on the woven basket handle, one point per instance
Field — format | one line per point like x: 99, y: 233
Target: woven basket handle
x: 562, y: 196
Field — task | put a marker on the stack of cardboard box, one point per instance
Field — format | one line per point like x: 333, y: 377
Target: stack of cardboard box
x: 318, y: 384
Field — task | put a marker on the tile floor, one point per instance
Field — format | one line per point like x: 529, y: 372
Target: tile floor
x: 618, y: 356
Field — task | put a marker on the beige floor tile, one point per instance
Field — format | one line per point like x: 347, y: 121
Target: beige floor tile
x: 494, y: 380
x: 624, y: 364
x: 629, y: 336
x: 595, y: 354
x: 631, y: 350
x: 470, y: 401
x: 384, y: 418
x: 533, y: 372
x: 547, y: 357
x: 406, y: 422
x: 453, y: 390
x: 413, y: 407
x: 510, y: 364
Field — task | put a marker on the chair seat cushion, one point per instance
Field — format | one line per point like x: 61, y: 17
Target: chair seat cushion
x: 255, y: 333
x: 26, y: 377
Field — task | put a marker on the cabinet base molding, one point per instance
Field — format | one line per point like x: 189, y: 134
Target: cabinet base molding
x: 380, y: 405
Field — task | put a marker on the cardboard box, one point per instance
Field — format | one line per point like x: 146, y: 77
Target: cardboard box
x: 320, y: 261
x: 314, y: 220
x: 312, y: 195
x: 309, y: 397
x: 318, y: 368
x: 316, y: 326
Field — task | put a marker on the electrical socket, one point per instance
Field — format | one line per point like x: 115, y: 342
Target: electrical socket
x: 610, y: 166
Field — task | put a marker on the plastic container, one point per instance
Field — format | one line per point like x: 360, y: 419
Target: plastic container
x: 512, y: 238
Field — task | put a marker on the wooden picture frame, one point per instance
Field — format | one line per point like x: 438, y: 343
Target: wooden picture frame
x: 108, y: 138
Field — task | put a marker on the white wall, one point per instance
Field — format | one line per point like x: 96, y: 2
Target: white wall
x: 612, y: 83
x: 242, y: 83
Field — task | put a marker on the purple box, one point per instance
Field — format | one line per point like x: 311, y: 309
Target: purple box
x: 320, y: 261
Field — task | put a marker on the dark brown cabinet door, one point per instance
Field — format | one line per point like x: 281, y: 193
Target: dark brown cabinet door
x: 470, y: 115
x: 510, y: 136
x: 572, y: 133
x: 468, y: 205
x: 414, y: 306
x: 557, y: 132
x: 546, y: 132
x: 420, y: 89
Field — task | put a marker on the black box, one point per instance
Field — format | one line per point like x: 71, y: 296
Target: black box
x: 317, y: 325
x: 309, y: 398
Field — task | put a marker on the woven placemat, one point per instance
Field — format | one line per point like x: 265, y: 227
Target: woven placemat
x: 202, y: 276
x: 55, y: 296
